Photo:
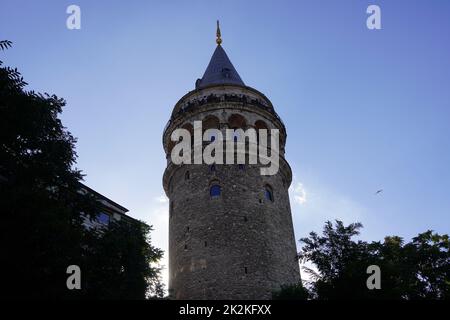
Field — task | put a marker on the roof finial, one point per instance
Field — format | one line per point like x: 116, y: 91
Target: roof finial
x: 218, y: 39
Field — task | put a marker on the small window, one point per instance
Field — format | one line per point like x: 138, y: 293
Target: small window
x: 268, y: 193
x: 226, y: 73
x: 245, y: 270
x: 212, y: 168
x: 215, y: 191
x: 186, y: 175
x: 103, y: 218
x: 206, y: 244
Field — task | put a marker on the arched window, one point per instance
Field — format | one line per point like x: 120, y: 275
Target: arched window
x: 186, y: 175
x: 226, y: 72
x: 262, y: 125
x: 210, y: 122
x: 215, y: 191
x: 188, y: 127
x: 103, y: 218
x: 268, y: 193
x: 236, y: 121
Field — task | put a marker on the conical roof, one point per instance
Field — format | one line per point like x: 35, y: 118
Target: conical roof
x: 220, y: 70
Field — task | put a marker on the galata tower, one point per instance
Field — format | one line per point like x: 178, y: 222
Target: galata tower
x: 230, y: 227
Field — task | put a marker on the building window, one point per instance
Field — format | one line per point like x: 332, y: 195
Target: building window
x: 186, y: 175
x: 268, y: 193
x: 241, y: 167
x: 213, y: 138
x: 206, y: 244
x: 103, y: 218
x: 226, y: 73
x: 212, y: 168
x: 245, y: 270
x: 215, y: 191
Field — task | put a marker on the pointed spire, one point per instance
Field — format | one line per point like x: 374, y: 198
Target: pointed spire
x: 220, y: 70
x: 218, y: 35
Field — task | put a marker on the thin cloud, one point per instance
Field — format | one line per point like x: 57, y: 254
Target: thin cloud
x: 298, y: 193
x: 162, y: 199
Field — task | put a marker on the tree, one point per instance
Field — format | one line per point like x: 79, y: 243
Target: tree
x: 416, y: 270
x: 119, y: 263
x: 340, y: 261
x: 41, y: 225
x: 42, y: 231
x: 291, y: 292
x: 430, y: 255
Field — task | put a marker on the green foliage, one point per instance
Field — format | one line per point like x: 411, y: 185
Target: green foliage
x: 13, y: 77
x: 416, y: 270
x: 5, y: 44
x: 119, y: 263
x: 291, y: 292
x: 41, y: 227
x: 42, y: 231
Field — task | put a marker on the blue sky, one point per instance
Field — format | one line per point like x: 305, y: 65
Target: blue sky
x: 364, y: 109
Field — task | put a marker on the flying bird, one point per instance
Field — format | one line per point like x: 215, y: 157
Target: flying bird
x: 379, y: 191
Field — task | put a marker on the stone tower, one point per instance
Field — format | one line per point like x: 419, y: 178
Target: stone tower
x: 230, y: 228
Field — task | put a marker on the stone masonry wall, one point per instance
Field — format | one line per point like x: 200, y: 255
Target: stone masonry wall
x: 239, y: 245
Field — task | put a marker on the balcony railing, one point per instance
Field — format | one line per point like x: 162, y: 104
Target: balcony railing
x: 191, y: 105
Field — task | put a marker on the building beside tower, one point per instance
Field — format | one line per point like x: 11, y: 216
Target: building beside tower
x: 230, y: 228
